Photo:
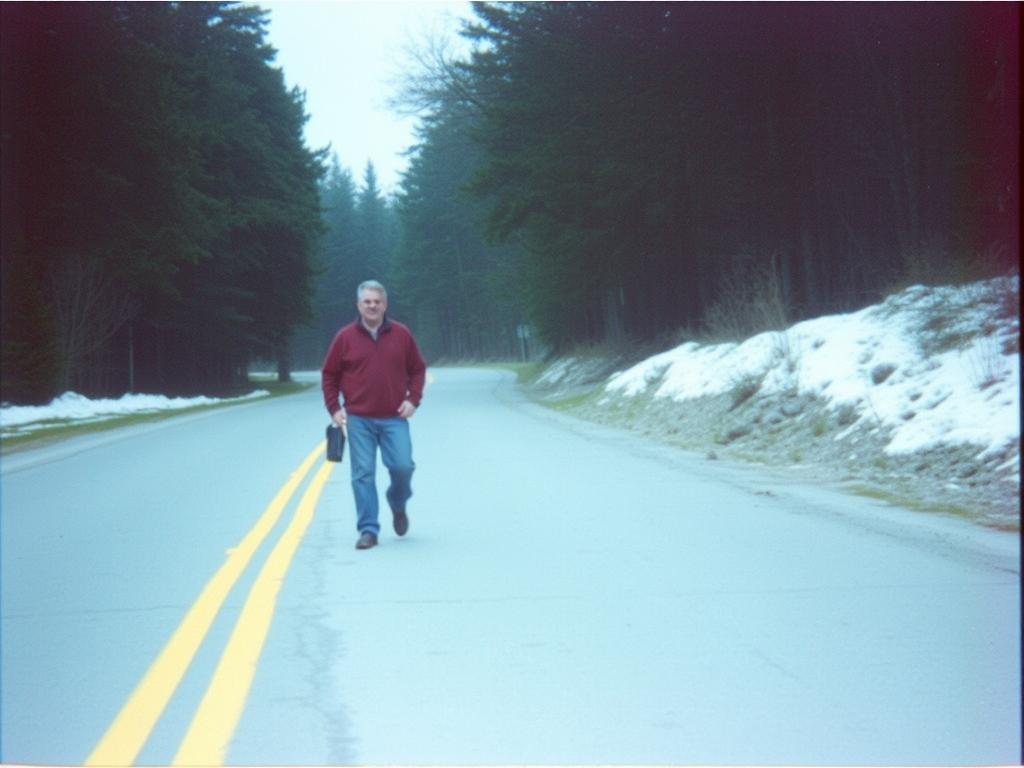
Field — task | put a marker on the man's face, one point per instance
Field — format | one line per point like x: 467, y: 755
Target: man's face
x: 372, y: 305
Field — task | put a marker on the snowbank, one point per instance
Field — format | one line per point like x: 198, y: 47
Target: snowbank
x: 930, y: 365
x: 72, y: 406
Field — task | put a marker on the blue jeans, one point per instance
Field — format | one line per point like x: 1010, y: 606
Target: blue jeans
x: 392, y: 436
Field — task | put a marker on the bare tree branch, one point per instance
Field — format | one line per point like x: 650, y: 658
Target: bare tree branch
x: 88, y: 310
x: 436, y: 80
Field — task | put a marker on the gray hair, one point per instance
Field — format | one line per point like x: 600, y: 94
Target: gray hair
x: 370, y: 285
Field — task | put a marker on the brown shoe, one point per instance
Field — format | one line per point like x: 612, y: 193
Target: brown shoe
x: 366, y: 540
x: 401, y: 521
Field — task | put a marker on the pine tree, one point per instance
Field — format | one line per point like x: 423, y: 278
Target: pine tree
x: 336, y: 273
x: 375, y: 228
x: 462, y: 292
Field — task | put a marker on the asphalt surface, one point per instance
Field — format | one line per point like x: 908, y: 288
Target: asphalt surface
x: 566, y: 594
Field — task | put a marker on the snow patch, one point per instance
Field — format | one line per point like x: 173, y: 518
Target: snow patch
x: 930, y: 365
x: 72, y: 406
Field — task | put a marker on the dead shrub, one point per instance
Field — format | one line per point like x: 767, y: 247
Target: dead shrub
x: 749, y: 300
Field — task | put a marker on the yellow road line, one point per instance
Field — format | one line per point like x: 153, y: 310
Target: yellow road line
x: 131, y: 728
x: 214, y: 723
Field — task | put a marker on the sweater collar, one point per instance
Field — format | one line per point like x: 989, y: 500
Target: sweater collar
x: 384, y: 326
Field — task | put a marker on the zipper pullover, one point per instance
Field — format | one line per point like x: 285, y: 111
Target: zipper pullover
x: 373, y: 376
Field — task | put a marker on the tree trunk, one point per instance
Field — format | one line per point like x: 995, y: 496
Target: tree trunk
x: 284, y: 363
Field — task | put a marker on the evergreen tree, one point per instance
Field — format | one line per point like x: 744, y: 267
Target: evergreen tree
x: 375, y: 227
x: 337, y: 270
x: 462, y: 293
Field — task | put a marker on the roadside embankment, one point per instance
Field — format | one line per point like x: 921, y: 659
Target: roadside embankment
x: 915, y: 401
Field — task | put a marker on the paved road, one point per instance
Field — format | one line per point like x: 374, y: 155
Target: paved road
x: 566, y: 594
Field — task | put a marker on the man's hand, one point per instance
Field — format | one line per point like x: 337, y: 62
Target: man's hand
x: 340, y: 417
x: 406, y: 409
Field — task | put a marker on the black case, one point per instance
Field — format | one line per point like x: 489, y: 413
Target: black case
x: 335, y: 443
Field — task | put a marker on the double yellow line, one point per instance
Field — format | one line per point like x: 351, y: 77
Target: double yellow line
x: 214, y: 722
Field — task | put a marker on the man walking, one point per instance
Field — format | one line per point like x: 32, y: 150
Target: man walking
x: 378, y: 371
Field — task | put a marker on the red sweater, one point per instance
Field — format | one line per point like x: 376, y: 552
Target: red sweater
x: 373, y: 377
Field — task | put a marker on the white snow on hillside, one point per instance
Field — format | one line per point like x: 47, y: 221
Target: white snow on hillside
x: 71, y: 406
x: 930, y: 365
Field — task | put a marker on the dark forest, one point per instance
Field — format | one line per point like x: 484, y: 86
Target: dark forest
x: 599, y: 173
x: 658, y: 168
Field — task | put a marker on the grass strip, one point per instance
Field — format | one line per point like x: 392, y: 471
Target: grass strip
x: 910, y: 502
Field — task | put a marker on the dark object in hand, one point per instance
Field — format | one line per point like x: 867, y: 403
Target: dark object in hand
x: 335, y: 443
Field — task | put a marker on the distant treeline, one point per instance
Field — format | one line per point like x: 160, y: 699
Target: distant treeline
x: 160, y: 209
x: 362, y: 237
x: 649, y: 167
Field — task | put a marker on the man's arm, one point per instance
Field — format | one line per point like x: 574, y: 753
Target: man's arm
x: 416, y: 371
x: 330, y: 378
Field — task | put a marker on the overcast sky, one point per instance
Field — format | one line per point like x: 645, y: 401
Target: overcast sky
x: 346, y: 55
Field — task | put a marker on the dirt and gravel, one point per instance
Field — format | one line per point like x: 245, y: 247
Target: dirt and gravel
x: 803, y: 435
